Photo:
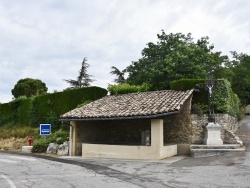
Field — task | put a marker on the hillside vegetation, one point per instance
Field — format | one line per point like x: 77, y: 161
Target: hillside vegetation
x: 22, y: 117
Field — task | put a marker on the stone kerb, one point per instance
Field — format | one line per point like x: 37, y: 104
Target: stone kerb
x: 27, y: 149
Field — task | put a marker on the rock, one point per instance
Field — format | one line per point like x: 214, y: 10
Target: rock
x: 52, y: 148
x: 63, y: 149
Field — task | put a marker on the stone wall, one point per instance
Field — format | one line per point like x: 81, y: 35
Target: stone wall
x: 186, y: 128
x: 177, y: 128
x: 228, y: 124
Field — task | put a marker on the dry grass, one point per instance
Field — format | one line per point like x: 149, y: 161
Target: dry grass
x: 15, y: 138
x: 12, y: 143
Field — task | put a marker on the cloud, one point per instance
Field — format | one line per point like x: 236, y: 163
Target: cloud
x: 48, y: 39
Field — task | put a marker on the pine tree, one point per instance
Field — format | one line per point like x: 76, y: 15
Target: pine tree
x: 83, y: 80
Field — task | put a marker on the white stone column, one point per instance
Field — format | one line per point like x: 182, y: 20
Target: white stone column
x: 70, y: 140
x: 74, y: 138
x: 157, y: 136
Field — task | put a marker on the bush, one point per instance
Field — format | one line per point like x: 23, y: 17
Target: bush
x: 224, y: 99
x: 199, y: 108
x: 83, y: 104
x: 46, y: 108
x: 40, y: 146
x: 126, y: 88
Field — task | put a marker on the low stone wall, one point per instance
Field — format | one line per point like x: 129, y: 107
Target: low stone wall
x: 229, y: 126
x: 185, y: 128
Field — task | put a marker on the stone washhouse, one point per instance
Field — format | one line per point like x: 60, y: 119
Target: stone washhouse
x: 147, y: 125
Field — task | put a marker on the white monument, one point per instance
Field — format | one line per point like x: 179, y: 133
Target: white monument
x: 212, y: 134
x: 213, y: 130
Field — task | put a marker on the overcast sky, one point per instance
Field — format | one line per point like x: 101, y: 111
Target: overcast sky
x: 48, y: 39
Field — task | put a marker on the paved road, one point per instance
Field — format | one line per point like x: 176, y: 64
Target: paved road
x: 20, y: 171
x: 228, y: 170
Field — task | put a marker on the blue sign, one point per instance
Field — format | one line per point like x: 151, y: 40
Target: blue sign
x: 45, y: 129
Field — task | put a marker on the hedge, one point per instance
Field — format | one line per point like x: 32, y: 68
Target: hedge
x: 224, y: 99
x: 127, y: 88
x: 35, y: 110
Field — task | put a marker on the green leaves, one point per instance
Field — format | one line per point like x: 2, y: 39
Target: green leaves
x: 241, y: 78
x: 126, y: 88
x: 173, y: 57
x: 83, y: 80
x: 29, y: 87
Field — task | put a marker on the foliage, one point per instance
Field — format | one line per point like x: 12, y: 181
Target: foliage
x: 119, y: 74
x: 29, y: 87
x: 40, y: 146
x: 185, y: 84
x: 126, y: 88
x: 224, y: 99
x: 199, y: 108
x: 241, y: 79
x: 46, y: 108
x: 173, y: 57
x: 53, y: 119
x: 224, y: 73
x: 83, y: 80
x: 83, y: 104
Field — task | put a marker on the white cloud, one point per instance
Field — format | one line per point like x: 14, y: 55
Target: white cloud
x: 48, y: 39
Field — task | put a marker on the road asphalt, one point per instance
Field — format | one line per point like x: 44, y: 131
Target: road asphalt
x: 226, y: 170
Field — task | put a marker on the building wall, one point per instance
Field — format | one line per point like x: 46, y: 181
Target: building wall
x: 177, y: 128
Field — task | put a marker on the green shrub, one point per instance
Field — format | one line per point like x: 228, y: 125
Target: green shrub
x: 185, y: 84
x: 46, y: 108
x: 224, y: 99
x: 126, y: 88
x: 52, y: 119
x: 40, y: 146
x: 199, y: 108
x: 83, y: 104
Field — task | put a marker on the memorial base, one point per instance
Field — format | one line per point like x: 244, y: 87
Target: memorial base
x: 213, y: 134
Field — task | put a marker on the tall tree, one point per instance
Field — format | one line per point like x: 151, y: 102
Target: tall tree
x: 29, y: 87
x: 119, y: 75
x: 83, y: 80
x: 241, y: 79
x: 173, y: 57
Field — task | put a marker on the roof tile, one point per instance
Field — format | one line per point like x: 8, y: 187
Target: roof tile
x: 131, y: 105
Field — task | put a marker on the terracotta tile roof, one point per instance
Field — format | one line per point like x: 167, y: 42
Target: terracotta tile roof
x: 131, y: 106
